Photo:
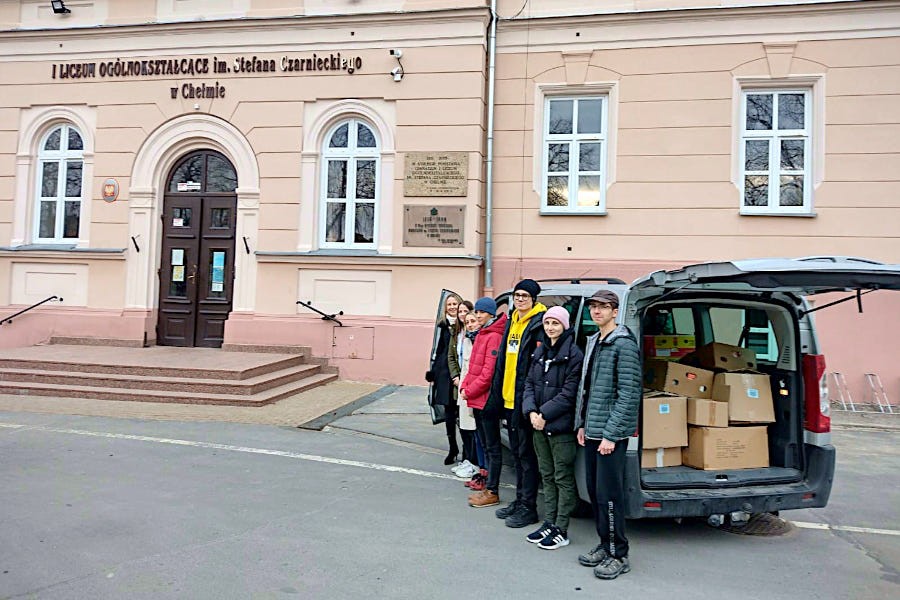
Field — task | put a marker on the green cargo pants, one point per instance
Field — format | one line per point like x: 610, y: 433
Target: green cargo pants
x: 556, y: 461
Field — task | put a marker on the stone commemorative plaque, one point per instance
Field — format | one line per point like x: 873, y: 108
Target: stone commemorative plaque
x: 436, y: 174
x: 434, y: 226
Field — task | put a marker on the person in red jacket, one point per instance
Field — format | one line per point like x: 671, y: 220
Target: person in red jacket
x: 476, y: 387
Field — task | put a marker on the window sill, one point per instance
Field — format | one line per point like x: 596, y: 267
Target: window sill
x: 62, y: 251
x: 367, y: 258
x: 572, y: 213
x: 771, y: 213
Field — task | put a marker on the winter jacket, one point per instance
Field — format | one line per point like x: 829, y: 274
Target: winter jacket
x: 608, y: 409
x: 552, y: 383
x: 439, y: 373
x: 482, y: 362
x: 456, y: 332
x: 527, y: 344
x: 466, y: 421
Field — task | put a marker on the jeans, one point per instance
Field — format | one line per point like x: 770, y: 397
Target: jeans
x: 556, y: 459
x: 452, y: 413
x: 522, y: 445
x: 605, y: 478
x: 488, y: 422
x: 468, y: 445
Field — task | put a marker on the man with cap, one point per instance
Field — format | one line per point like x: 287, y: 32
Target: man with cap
x: 609, y: 399
x: 523, y: 331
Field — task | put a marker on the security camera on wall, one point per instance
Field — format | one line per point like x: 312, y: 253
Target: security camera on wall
x: 397, y: 72
x: 396, y: 52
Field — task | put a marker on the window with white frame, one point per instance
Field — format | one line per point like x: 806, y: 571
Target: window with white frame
x: 574, y: 155
x: 776, y: 152
x: 60, y: 185
x: 349, y: 196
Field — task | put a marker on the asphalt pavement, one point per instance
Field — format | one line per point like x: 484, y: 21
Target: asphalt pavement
x: 99, y: 507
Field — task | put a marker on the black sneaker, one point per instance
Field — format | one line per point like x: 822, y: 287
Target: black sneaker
x: 507, y: 510
x: 594, y: 557
x: 612, y: 567
x: 523, y: 517
x: 556, y: 539
x: 540, y: 533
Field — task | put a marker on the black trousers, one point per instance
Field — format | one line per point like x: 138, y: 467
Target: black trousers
x: 605, y: 478
x: 487, y: 423
x: 468, y: 446
x: 528, y: 474
x: 452, y: 413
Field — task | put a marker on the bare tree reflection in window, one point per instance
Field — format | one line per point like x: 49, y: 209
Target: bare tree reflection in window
x: 365, y: 179
x: 339, y: 137
x: 756, y: 155
x: 190, y: 170
x: 589, y: 156
x: 75, y: 142
x: 557, y: 191
x: 52, y: 142
x: 759, y: 111
x: 557, y: 158
x: 561, y: 115
x: 70, y: 219
x: 337, y: 179
x: 589, y: 190
x: 756, y: 190
x: 49, y: 179
x: 364, y: 137
x: 73, y: 179
x: 334, y: 221
x: 792, y: 155
x: 220, y: 175
x: 47, y: 227
x: 791, y: 193
x: 791, y: 111
x: 365, y: 223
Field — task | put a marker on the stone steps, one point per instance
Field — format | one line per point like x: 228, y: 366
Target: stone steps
x: 158, y: 374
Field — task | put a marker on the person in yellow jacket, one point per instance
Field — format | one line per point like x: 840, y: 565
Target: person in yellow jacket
x: 507, y: 389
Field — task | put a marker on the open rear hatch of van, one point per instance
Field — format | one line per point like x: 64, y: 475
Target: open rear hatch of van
x: 777, y: 281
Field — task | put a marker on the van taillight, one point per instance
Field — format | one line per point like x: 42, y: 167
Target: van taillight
x: 818, y: 409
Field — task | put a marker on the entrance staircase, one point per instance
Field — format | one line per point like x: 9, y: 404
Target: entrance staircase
x: 161, y: 374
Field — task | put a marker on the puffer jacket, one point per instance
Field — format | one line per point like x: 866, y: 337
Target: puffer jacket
x: 552, y: 383
x: 482, y: 361
x: 534, y: 331
x: 609, y: 409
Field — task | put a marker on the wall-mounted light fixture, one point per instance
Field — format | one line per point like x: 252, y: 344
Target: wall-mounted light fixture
x: 59, y: 7
x: 397, y: 72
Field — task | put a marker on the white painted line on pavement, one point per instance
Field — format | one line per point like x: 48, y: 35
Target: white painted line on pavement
x: 11, y: 425
x: 826, y: 526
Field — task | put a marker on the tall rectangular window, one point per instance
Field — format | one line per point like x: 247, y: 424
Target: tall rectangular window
x: 776, y: 164
x: 574, y: 155
x: 60, y: 185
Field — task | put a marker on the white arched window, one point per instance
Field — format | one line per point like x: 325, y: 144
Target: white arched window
x: 350, y: 190
x: 60, y: 183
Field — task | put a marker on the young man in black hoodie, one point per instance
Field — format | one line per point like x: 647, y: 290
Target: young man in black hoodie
x: 520, y: 339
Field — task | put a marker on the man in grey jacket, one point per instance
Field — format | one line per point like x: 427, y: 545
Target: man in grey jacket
x: 606, y: 416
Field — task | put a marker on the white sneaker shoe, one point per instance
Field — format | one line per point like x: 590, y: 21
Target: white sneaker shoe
x: 466, y: 472
x: 460, y: 465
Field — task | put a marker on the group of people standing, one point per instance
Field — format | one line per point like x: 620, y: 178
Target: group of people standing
x: 525, y: 371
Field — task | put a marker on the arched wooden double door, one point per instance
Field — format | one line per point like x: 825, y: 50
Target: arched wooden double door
x: 196, y: 275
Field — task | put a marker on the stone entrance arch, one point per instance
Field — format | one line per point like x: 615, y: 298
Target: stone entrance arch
x: 157, y: 155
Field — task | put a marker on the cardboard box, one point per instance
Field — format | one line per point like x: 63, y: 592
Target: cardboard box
x: 678, y: 379
x: 665, y: 421
x: 715, y: 448
x: 708, y: 413
x: 724, y: 357
x: 668, y: 347
x: 748, y: 394
x: 660, y: 457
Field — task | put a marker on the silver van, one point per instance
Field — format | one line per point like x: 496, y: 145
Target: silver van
x: 758, y: 304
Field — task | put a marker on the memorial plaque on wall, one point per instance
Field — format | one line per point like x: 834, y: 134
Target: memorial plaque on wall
x: 434, y: 226
x: 436, y: 174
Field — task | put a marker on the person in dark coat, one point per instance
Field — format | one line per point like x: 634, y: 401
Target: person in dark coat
x: 438, y: 374
x: 549, y: 405
x: 609, y: 399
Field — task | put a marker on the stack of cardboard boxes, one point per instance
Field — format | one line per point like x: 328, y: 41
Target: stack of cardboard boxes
x: 703, y: 412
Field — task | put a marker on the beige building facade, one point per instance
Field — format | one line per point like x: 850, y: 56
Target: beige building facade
x: 183, y: 172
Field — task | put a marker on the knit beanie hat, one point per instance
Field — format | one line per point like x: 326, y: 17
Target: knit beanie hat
x: 529, y: 285
x: 487, y: 305
x: 558, y: 313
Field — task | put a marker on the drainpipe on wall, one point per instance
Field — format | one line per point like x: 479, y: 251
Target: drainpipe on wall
x: 489, y: 158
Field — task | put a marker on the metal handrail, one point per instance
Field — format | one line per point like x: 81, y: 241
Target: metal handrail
x: 10, y: 318
x: 325, y: 316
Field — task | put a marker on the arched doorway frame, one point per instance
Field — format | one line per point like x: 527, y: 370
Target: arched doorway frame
x: 159, y: 153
